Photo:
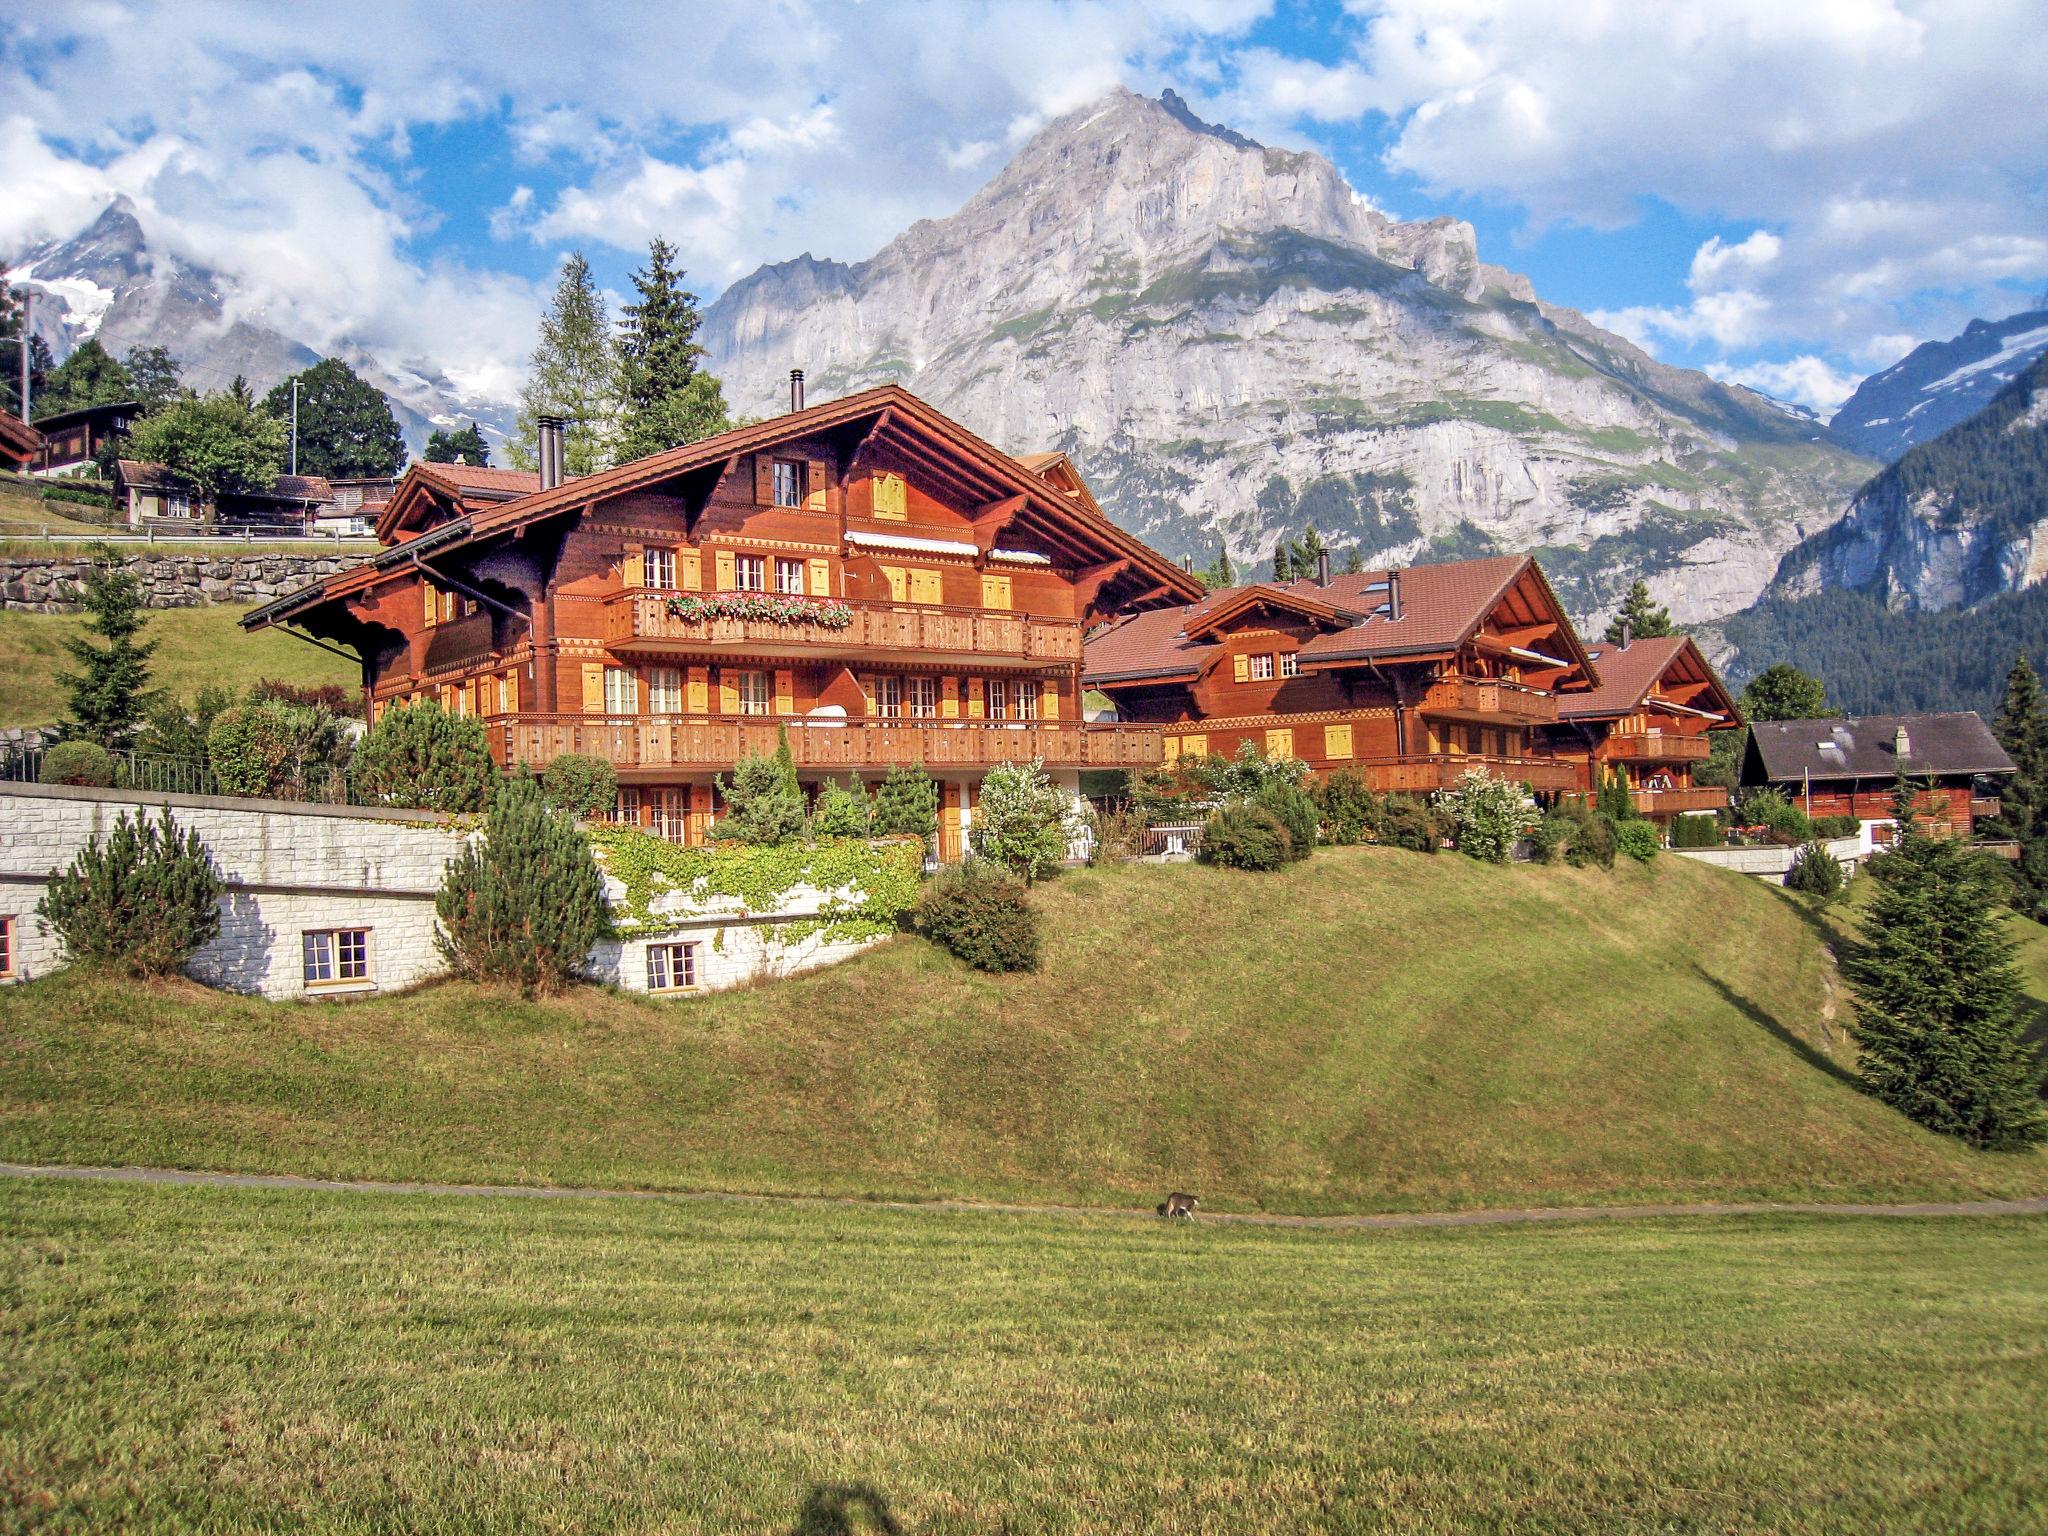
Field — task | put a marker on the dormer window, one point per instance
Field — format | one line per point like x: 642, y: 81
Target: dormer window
x: 1262, y: 668
x: 789, y: 483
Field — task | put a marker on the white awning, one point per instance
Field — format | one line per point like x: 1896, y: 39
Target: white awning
x: 904, y: 541
x: 1020, y: 557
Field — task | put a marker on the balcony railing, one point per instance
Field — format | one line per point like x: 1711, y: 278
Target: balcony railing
x: 1489, y: 700
x: 707, y: 743
x: 640, y: 620
x: 1659, y: 747
x: 1672, y: 802
x: 1426, y: 774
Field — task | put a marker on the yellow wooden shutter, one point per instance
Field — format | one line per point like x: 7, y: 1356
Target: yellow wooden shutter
x: 509, y: 694
x: 995, y: 592
x: 949, y: 698
x: 1336, y: 741
x: 1049, y: 700
x: 785, y: 693
x: 433, y: 606
x: 691, y: 570
x: 1279, y: 744
x: 1241, y: 668
x: 722, y: 567
x: 976, y: 708
x: 728, y: 692
x: 633, y: 570
x: 899, y: 583
x: 925, y: 587
x: 593, y: 687
x: 1172, y: 749
x: 887, y: 498
x: 700, y: 691
x: 817, y: 475
x: 764, y: 479
x: 1194, y: 746
x: 821, y: 578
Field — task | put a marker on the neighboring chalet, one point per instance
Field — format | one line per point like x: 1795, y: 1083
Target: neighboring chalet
x: 865, y: 573
x: 1411, y: 676
x: 72, y: 438
x: 151, y: 495
x: 19, y: 443
x: 1649, y: 720
x: 356, y: 507
x: 1849, y: 767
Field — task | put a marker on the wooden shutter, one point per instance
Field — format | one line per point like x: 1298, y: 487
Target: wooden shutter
x: 728, y: 692
x: 764, y: 479
x: 593, y: 687
x: 1172, y: 750
x: 1336, y: 741
x: 508, y: 695
x: 1280, y: 744
x: 690, y: 570
x: 817, y: 475
x: 700, y: 691
x: 433, y: 605
x: 886, y: 496
x: 821, y: 578
x: 785, y: 693
x: 633, y: 570
x: 899, y: 583
x: 722, y: 565
x: 1241, y: 668
x: 949, y: 698
x: 976, y: 707
x: 697, y: 820
x: 1049, y: 700
x: 995, y: 592
x: 1195, y: 746
x: 925, y: 587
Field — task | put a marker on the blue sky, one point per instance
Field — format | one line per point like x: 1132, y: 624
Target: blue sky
x: 1787, y: 195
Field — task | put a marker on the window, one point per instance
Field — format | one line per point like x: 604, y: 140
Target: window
x: 672, y: 967
x: 749, y: 573
x: 789, y: 577
x: 658, y: 568
x: 756, y: 697
x: 335, y: 956
x: 621, y: 692
x: 924, y: 698
x: 177, y: 504
x: 668, y: 814
x: 888, y: 695
x: 1290, y: 664
x: 789, y: 483
x: 664, y: 691
x: 1261, y: 668
x: 998, y: 699
x: 1027, y: 701
x: 6, y: 946
x: 888, y: 498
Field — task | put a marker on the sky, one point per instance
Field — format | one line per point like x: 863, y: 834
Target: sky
x: 1787, y: 193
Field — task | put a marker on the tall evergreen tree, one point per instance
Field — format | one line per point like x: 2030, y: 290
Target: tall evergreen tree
x: 107, y: 692
x: 2022, y: 729
x: 465, y: 447
x: 1354, y: 562
x: 1283, y: 560
x: 346, y: 429
x: 87, y: 377
x: 1937, y: 994
x: 1303, y: 553
x: 240, y: 392
x: 1646, y: 620
x: 575, y: 376
x: 666, y: 398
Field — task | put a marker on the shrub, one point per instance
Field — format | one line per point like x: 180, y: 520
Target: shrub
x: 1291, y: 806
x: 1612, y: 798
x: 1825, y: 827
x: 420, y: 757
x: 525, y: 906
x: 1773, y: 811
x: 1242, y: 834
x: 1349, y: 809
x: 842, y: 810
x: 1488, y: 815
x: 1817, y: 873
x: 1593, y: 844
x: 907, y: 805
x: 1119, y: 835
x: 143, y: 902
x: 1638, y: 839
x: 328, y: 696
x: 581, y: 785
x: 1551, y: 838
x: 1021, y: 823
x: 982, y: 916
x: 77, y: 762
x: 1405, y: 822
x: 273, y: 749
x: 1696, y: 832
x: 763, y: 803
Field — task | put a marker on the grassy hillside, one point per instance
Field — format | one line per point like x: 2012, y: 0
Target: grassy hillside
x: 224, y: 1360
x: 1370, y: 1030
x: 195, y: 646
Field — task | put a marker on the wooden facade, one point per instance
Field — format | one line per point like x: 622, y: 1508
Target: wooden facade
x: 1649, y: 721
x: 864, y: 574
x: 71, y: 439
x: 1851, y: 767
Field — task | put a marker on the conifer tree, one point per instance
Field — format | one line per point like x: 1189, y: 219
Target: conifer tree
x: 2022, y: 729
x: 1354, y: 562
x: 1937, y: 994
x: 907, y: 804
x: 241, y: 394
x: 1646, y: 620
x: 107, y: 692
x: 666, y: 398
x: 465, y: 447
x: 1283, y: 560
x: 419, y: 757
x: 144, y: 901
x: 1304, y: 552
x: 763, y: 802
x: 575, y: 376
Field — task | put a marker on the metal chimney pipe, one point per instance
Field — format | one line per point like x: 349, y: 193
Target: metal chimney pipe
x: 796, y: 389
x: 1628, y: 633
x: 1322, y: 568
x: 1393, y: 596
x: 550, y: 452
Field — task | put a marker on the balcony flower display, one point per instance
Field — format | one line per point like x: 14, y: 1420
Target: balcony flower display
x: 767, y: 607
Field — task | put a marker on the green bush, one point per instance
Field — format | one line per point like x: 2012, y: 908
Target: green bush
x: 1825, y: 827
x: 1638, y: 839
x: 763, y: 803
x: 1349, y: 809
x: 842, y: 810
x: 1817, y: 873
x: 1696, y: 832
x: 582, y: 785
x: 142, y: 902
x: 276, y: 750
x: 1406, y: 822
x: 981, y: 915
x: 420, y: 757
x: 1489, y: 815
x: 1613, y: 800
x: 907, y: 805
x: 1020, y: 824
x: 1770, y: 809
x: 77, y: 762
x: 1242, y: 834
x: 79, y: 495
x: 1119, y: 835
x: 525, y: 907
x: 1593, y: 844
x: 1291, y: 806
x: 1551, y: 838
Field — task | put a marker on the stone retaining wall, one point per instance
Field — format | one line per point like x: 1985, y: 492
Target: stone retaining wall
x: 43, y: 583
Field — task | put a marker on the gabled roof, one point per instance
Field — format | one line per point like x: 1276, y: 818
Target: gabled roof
x: 146, y: 475
x: 57, y: 421
x: 1644, y: 668
x: 1219, y: 610
x: 143, y: 474
x: 452, y: 489
x: 303, y: 488
x: 19, y: 438
x: 1862, y: 747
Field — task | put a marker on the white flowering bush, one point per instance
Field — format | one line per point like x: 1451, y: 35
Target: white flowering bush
x: 1023, y: 820
x: 1489, y: 814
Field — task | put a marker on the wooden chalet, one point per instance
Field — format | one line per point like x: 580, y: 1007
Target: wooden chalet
x: 153, y: 495
x: 1412, y: 676
x: 865, y: 573
x: 1649, y: 719
x: 71, y: 439
x: 1850, y: 767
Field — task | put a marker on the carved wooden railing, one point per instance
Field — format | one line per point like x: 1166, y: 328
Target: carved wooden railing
x: 1670, y: 802
x: 1490, y: 699
x: 1424, y: 774
x: 1659, y: 747
x: 641, y: 617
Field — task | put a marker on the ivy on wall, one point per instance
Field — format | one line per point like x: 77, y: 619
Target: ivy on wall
x: 867, y: 884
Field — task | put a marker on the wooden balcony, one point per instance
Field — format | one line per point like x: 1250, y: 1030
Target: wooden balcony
x: 1423, y: 775
x: 1673, y: 802
x: 1658, y: 747
x: 647, y: 746
x: 1489, y: 702
x: 639, y: 622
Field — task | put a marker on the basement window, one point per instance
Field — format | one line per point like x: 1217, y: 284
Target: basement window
x: 671, y: 967
x: 7, y: 957
x: 336, y: 957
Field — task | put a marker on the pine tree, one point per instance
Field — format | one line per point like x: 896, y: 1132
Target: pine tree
x: 240, y: 392
x: 1305, y: 552
x: 1937, y: 994
x: 666, y: 399
x: 143, y: 902
x: 2022, y: 729
x: 1354, y: 562
x: 1646, y: 620
x: 907, y: 804
x: 418, y: 756
x: 107, y: 693
x: 1283, y: 561
x: 346, y: 428
x: 763, y: 804
x: 575, y: 376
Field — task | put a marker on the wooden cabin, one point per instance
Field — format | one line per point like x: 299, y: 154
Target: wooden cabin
x: 866, y: 574
x: 1411, y: 676
x: 1850, y: 767
x: 1649, y: 720
x: 72, y: 439
x: 153, y: 496
x: 19, y: 443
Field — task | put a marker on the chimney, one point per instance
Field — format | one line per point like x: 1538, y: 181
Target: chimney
x: 1628, y: 633
x: 550, y: 447
x: 796, y: 389
x: 1187, y: 563
x: 1393, y: 596
x: 1322, y: 568
x: 1902, y: 744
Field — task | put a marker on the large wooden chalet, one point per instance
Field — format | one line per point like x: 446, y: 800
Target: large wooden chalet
x: 1649, y: 721
x: 1412, y: 677
x: 864, y: 573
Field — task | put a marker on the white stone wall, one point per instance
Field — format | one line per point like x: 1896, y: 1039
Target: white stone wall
x: 1773, y: 863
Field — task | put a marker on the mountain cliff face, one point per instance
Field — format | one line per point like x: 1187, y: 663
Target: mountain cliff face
x: 1938, y: 385
x: 107, y: 282
x: 1957, y: 520
x: 1234, y: 344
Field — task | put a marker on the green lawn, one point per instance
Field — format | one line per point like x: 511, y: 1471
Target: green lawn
x: 186, y: 1360
x: 196, y: 646
x: 1369, y: 1030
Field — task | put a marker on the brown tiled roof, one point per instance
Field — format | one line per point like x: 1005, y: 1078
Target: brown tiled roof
x: 474, y: 477
x: 1863, y: 747
x: 142, y: 473
x: 21, y: 438
x: 303, y: 488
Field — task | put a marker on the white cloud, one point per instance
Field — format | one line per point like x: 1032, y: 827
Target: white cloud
x: 1805, y: 380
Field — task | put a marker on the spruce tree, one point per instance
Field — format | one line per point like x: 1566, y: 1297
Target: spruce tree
x: 1283, y: 560
x: 107, y: 692
x: 666, y: 399
x: 143, y: 902
x: 1354, y: 562
x: 1304, y: 552
x: 907, y: 804
x: 575, y: 376
x: 1937, y: 994
x: 2022, y: 729
x: 419, y: 757
x: 1646, y: 620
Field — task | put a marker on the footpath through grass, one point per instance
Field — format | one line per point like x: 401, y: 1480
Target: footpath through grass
x: 185, y: 1360
x: 1372, y: 1030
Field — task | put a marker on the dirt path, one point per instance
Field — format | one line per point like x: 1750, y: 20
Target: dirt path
x: 2029, y: 1207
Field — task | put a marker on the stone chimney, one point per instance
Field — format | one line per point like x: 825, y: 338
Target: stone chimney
x: 1902, y: 744
x: 796, y: 389
x: 549, y: 449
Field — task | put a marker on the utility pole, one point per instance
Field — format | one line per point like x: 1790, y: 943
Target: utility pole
x: 28, y: 315
x: 295, y: 428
